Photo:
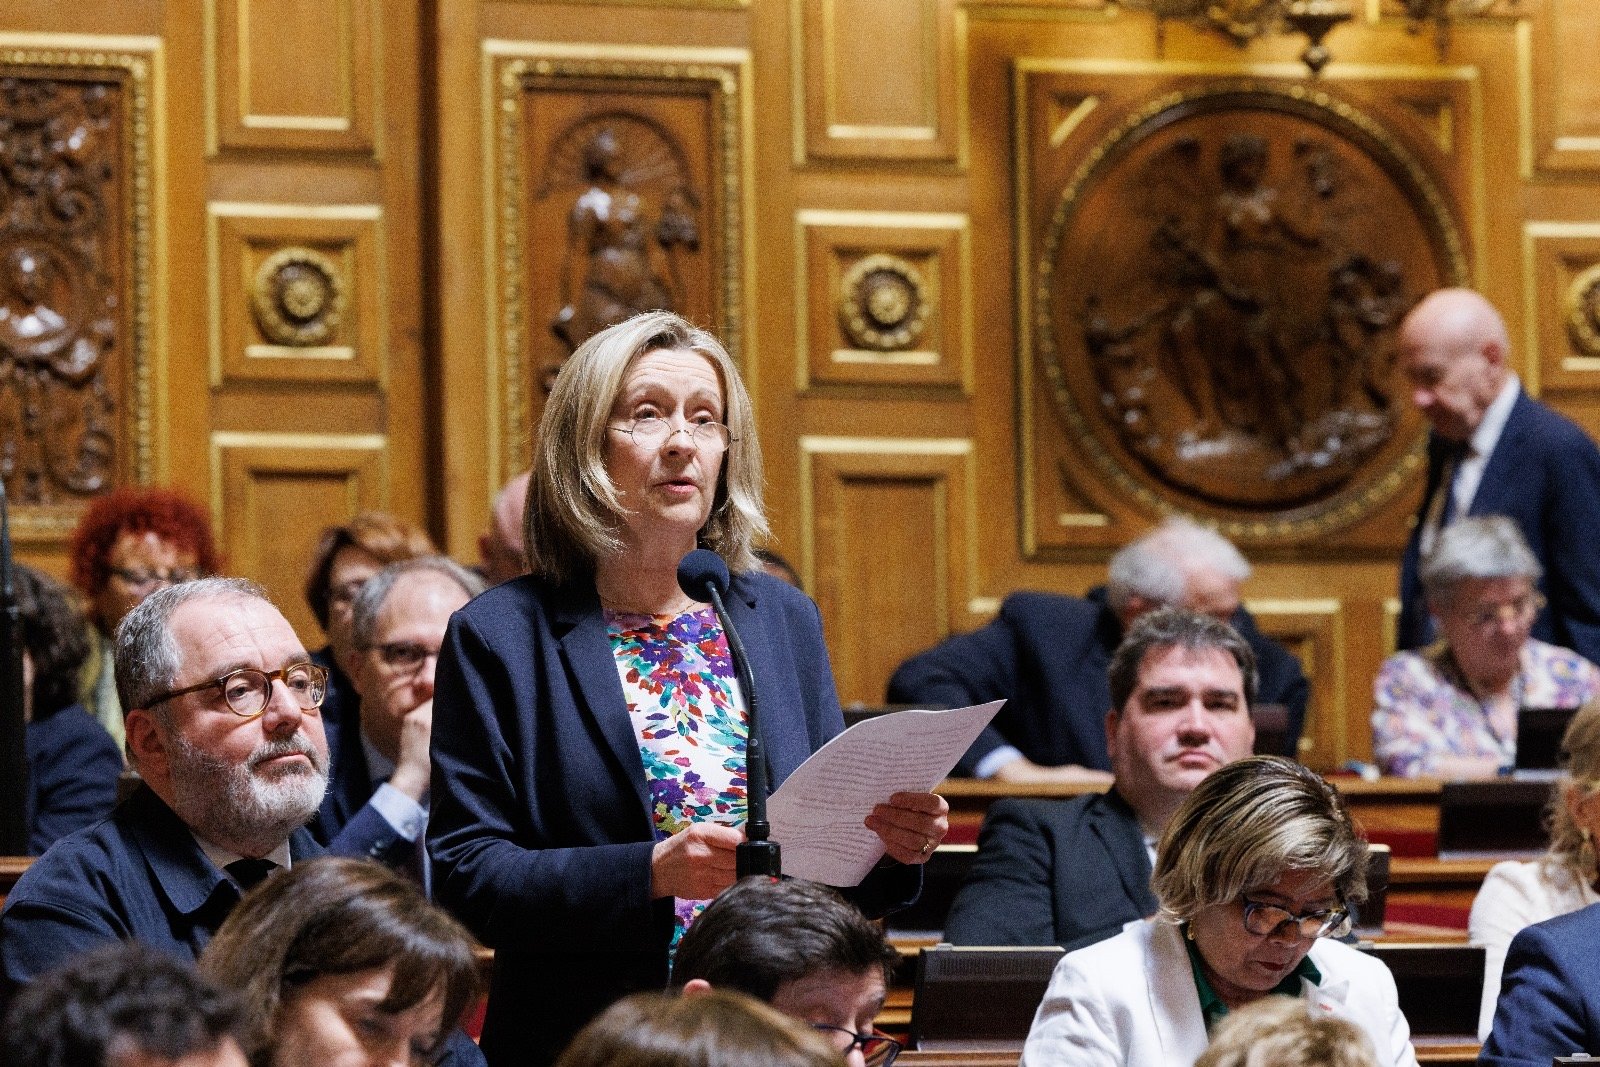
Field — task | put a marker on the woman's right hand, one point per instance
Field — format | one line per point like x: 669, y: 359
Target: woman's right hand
x: 695, y: 864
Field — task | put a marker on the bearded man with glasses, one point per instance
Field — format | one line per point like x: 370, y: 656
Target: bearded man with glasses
x: 223, y: 725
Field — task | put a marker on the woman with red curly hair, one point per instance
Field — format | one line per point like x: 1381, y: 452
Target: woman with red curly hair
x: 128, y: 544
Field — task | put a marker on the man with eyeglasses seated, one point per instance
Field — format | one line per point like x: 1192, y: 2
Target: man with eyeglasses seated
x: 802, y: 948
x: 223, y: 726
x: 377, y: 800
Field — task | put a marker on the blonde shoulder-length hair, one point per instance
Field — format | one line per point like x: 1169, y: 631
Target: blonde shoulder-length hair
x: 1580, y: 749
x: 573, y: 508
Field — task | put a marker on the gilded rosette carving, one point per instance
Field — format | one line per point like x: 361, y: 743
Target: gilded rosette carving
x: 1581, y: 309
x: 298, y: 297
x: 883, y: 303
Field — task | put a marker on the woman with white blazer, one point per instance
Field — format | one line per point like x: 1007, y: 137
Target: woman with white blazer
x: 1255, y: 876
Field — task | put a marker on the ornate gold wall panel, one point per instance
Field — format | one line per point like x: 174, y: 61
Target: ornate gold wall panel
x: 1561, y: 261
x: 294, y: 76
x: 885, y: 299
x: 297, y: 293
x: 887, y: 541
x: 271, y: 483
x: 879, y: 80
x: 1314, y: 630
x: 79, y: 324
x: 1564, y: 95
x: 617, y: 182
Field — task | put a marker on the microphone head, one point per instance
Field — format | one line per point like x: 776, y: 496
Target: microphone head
x: 702, y: 571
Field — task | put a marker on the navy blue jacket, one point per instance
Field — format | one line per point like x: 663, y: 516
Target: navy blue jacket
x: 1550, y: 993
x: 1054, y: 872
x: 73, y: 767
x: 345, y: 824
x: 540, y: 828
x: 1047, y: 655
x: 1544, y: 474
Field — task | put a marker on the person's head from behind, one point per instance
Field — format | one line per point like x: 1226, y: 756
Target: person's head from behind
x: 1182, y: 685
x: 131, y: 542
x: 800, y: 947
x: 1574, y: 811
x: 501, y: 551
x: 1481, y: 583
x: 123, y: 1005
x: 54, y: 643
x: 1281, y: 1032
x: 1260, y: 861
x: 718, y: 1029
x: 647, y: 441
x: 343, y: 963
x: 222, y: 708
x: 1179, y: 564
x: 345, y: 557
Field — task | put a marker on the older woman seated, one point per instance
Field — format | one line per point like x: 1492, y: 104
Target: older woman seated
x: 1254, y: 876
x: 1450, y: 709
x: 1564, y: 879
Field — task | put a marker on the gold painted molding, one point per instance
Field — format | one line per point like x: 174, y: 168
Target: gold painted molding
x: 1532, y: 361
x: 224, y: 440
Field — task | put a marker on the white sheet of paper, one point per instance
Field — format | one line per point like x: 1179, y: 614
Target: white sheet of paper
x: 817, y: 813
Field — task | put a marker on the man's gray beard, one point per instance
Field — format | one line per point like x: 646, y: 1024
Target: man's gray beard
x: 231, y: 805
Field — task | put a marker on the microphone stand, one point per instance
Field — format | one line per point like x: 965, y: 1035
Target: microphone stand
x: 757, y: 853
x: 13, y: 725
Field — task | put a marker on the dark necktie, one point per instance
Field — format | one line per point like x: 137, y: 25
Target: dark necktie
x: 249, y: 873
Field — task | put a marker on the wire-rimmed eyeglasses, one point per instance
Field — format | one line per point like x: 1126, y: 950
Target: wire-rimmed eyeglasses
x: 249, y: 691
x: 879, y: 1050
x: 652, y: 432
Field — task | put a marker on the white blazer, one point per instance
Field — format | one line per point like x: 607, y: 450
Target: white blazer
x: 1131, y: 1001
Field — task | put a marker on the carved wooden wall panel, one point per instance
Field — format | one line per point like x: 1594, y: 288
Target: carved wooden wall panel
x: 271, y: 482
x: 1314, y: 630
x: 887, y: 299
x: 76, y: 299
x: 866, y: 502
x: 880, y: 80
x: 299, y: 294
x: 294, y: 76
x: 1564, y: 95
x: 1562, y: 261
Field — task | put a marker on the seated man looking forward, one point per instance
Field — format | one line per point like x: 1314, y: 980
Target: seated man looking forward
x: 803, y: 949
x: 1072, y: 872
x: 1047, y: 655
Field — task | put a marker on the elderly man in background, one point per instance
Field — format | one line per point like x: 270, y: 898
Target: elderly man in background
x: 128, y: 544
x: 223, y: 727
x: 1494, y: 450
x: 1047, y: 655
x: 1073, y: 872
x: 377, y: 800
x: 501, y: 551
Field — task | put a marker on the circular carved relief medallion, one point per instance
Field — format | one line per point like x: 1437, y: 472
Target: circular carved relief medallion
x: 883, y: 303
x: 1218, y: 292
x: 298, y: 297
x: 1583, y: 311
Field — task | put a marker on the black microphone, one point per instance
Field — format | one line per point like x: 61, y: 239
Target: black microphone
x: 13, y: 727
x: 703, y: 575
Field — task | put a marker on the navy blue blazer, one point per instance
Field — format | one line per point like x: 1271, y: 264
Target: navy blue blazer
x: 1047, y: 655
x: 346, y: 824
x: 138, y: 875
x: 1544, y: 474
x: 73, y: 767
x: 1549, y: 994
x: 540, y: 827
x: 1054, y: 872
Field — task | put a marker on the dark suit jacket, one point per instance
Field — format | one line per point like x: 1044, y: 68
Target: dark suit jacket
x: 73, y: 767
x: 1550, y: 993
x: 1047, y: 655
x: 1054, y: 872
x: 345, y: 824
x: 540, y: 827
x: 1544, y: 474
x: 138, y: 875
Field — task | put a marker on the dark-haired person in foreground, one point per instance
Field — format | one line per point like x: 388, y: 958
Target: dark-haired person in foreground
x: 123, y: 1005
x: 803, y: 949
x: 1550, y: 997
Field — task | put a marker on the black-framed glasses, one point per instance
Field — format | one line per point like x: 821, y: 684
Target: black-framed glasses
x: 879, y: 1050
x: 1264, y: 920
x: 405, y: 655
x: 248, y: 691
x: 144, y: 577
x: 651, y: 432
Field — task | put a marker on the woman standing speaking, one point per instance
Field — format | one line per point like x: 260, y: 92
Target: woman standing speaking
x: 589, y: 734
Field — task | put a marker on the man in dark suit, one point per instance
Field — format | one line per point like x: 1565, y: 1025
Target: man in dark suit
x: 226, y: 736
x: 1494, y: 450
x: 1047, y: 655
x: 377, y: 800
x: 1072, y: 872
x: 1550, y: 995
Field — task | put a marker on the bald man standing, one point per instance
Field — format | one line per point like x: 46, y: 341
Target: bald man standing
x: 1494, y: 450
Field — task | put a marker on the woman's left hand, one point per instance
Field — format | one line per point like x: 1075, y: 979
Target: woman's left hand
x: 911, y: 825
